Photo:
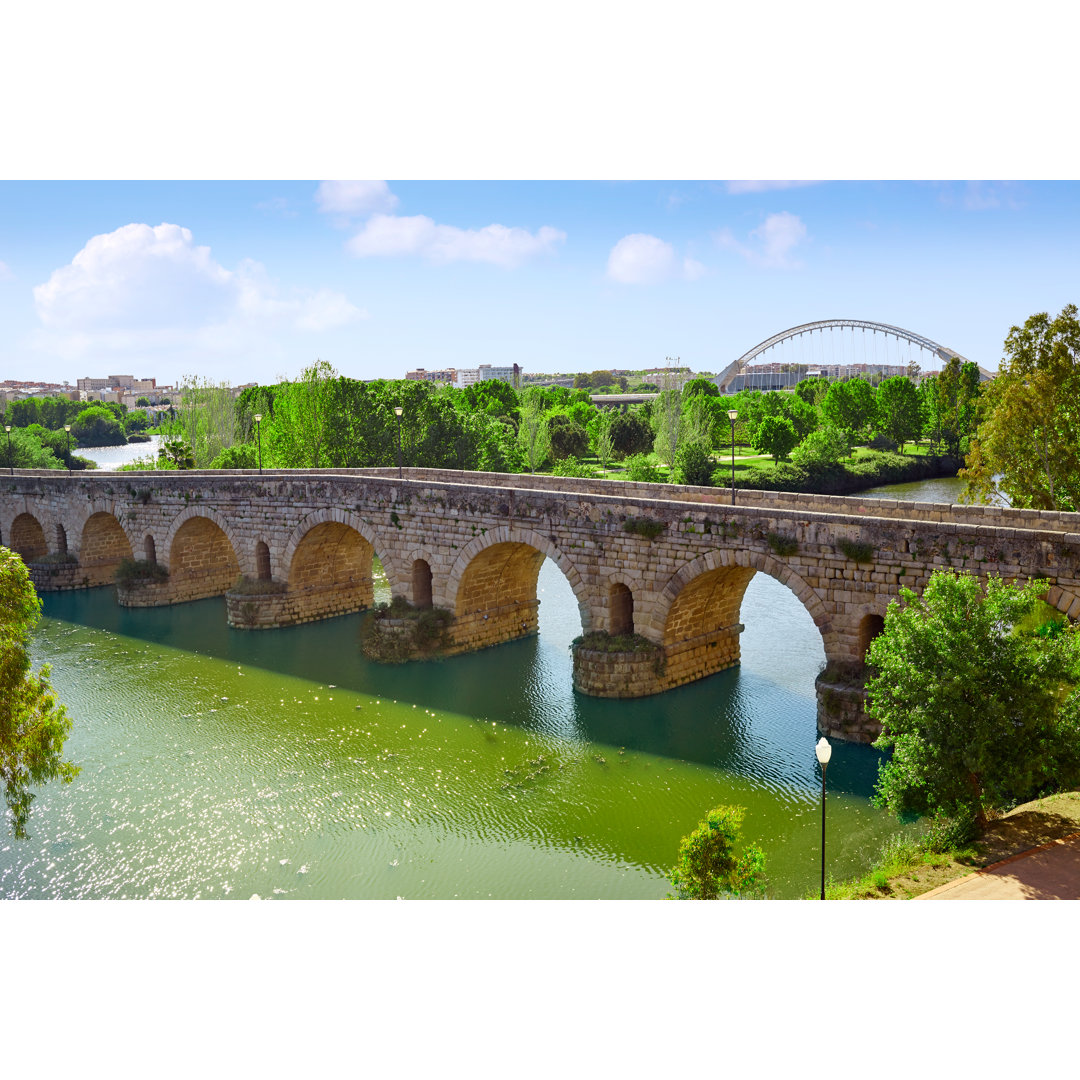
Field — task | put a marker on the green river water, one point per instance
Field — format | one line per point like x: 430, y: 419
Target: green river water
x: 223, y: 763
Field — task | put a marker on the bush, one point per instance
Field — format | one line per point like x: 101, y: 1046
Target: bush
x: 641, y: 470
x: 572, y: 467
x: 708, y: 866
x: 246, y: 586
x: 822, y: 448
x: 630, y: 434
x: 650, y: 528
x: 139, y: 572
x: 240, y: 456
x: 694, y: 466
x: 568, y: 439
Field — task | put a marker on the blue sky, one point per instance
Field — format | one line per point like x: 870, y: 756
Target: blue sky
x: 245, y: 281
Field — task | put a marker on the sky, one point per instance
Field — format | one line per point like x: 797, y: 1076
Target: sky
x: 243, y: 281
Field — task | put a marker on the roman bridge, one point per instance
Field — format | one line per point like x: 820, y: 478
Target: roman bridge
x: 667, y: 564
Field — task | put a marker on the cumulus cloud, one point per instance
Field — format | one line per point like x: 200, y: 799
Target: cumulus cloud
x: 355, y: 198
x: 750, y: 187
x: 386, y: 234
x: 641, y: 259
x: 154, y: 286
x: 772, y: 243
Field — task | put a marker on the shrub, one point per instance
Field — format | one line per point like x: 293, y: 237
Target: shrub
x: 857, y: 550
x: 571, y: 466
x: 708, y: 866
x: 641, y: 470
x: 693, y: 465
x: 247, y: 586
x: 238, y: 456
x: 56, y: 558
x: 139, y: 572
x: 822, y: 448
x: 781, y: 544
x: 650, y: 528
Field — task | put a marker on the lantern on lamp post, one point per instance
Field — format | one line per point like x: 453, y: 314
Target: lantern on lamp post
x: 823, y: 751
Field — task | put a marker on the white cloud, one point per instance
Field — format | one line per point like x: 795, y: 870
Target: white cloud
x: 774, y: 241
x: 641, y: 259
x: 384, y: 234
x: 748, y: 187
x: 355, y: 198
x: 143, y: 288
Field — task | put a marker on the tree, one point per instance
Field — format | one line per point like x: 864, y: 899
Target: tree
x: 33, y: 724
x: 667, y: 417
x: 142, y: 403
x: 950, y: 401
x: 822, y: 448
x: 849, y: 405
x: 700, y: 386
x: 693, y: 465
x: 98, y: 426
x: 775, y: 435
x: 979, y: 715
x: 600, y: 436
x: 533, y: 430
x: 898, y: 410
x: 1029, y: 437
x: 176, y: 454
x: 708, y: 865
x: 631, y: 434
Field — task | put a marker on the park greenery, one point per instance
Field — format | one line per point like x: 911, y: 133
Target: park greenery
x: 33, y: 724
x: 976, y: 691
x: 710, y: 867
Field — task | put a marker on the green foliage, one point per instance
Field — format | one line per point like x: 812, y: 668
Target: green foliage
x: 822, y: 448
x: 693, y: 465
x: 33, y: 724
x: 98, y: 426
x: 775, y: 435
x: 979, y: 716
x: 238, y: 456
x: 1028, y: 443
x: 709, y: 866
x: 602, y: 641
x: 898, y: 415
x: 570, y: 466
x: 631, y: 434
x: 28, y: 449
x: 176, y: 454
x: 533, y: 434
x: 813, y: 390
x: 248, y: 586
x: 650, y: 528
x: 139, y: 572
x: 421, y: 631
x: 850, y: 405
x: 781, y: 544
x: 600, y: 437
x: 641, y: 470
x: 667, y: 422
x: 949, y: 403
x: 700, y: 386
x: 856, y: 550
x: 567, y: 438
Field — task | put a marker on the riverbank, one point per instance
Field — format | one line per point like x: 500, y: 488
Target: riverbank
x: 1028, y: 826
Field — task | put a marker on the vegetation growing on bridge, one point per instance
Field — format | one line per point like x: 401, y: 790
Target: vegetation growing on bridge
x: 398, y: 632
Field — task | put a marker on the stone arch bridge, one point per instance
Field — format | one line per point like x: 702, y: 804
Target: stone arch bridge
x: 667, y: 564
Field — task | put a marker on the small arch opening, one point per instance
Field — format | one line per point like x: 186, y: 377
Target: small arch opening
x: 28, y: 538
x: 421, y: 584
x: 149, y: 549
x: 621, y: 602
x: 262, y: 561
x: 869, y: 628
x: 61, y: 540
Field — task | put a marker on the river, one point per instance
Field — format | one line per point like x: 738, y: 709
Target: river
x: 224, y: 763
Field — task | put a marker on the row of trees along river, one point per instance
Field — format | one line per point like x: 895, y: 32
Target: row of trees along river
x: 217, y: 763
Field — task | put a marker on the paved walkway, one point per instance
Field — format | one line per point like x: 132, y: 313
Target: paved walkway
x: 1049, y: 872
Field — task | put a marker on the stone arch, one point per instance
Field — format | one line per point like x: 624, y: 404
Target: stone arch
x: 421, y: 583
x: 262, y: 561
x: 465, y: 566
x: 342, y: 517
x: 27, y: 537
x: 330, y: 572
x: 202, y: 559
x: 207, y: 513
x: 620, y: 609
x: 102, y: 545
x: 870, y: 625
x: 748, y: 562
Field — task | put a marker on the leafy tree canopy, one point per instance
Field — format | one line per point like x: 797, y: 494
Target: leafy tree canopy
x: 710, y: 866
x: 979, y: 715
x: 33, y: 724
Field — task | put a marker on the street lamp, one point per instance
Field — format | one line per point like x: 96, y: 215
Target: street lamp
x: 732, y: 415
x: 258, y: 436
x: 398, y: 410
x: 11, y: 465
x: 67, y: 428
x: 823, y: 751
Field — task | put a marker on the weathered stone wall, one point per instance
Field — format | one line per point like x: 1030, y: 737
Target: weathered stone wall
x: 842, y: 712
x: 484, y: 541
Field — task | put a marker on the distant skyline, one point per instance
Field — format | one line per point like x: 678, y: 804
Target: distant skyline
x: 253, y: 281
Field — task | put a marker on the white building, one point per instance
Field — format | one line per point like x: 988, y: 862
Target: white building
x: 468, y: 376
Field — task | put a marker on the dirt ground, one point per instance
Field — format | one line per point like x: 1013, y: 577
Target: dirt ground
x: 1028, y: 826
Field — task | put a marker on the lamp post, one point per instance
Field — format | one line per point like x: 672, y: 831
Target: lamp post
x: 11, y: 465
x: 67, y: 428
x: 258, y: 436
x: 398, y: 410
x: 823, y: 751
x: 732, y: 415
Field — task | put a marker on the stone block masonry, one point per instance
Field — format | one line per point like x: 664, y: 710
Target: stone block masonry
x: 473, y: 543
